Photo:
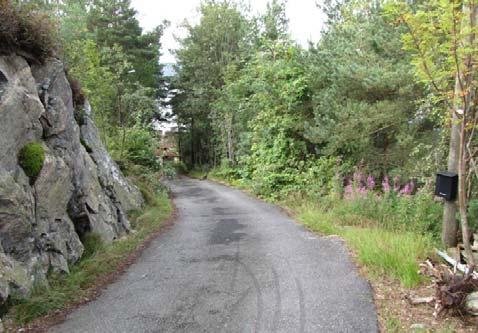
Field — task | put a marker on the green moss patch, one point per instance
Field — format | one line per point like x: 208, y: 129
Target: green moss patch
x: 31, y: 158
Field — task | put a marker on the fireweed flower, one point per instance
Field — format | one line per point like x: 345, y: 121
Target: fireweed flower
x: 386, y: 184
x: 408, y: 188
x: 348, y: 188
x: 370, y: 182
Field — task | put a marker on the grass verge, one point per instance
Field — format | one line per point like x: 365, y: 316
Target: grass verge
x: 217, y: 176
x: 393, y: 253
x: 96, y: 268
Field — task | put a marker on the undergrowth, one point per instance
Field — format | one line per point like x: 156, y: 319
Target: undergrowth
x: 389, y: 236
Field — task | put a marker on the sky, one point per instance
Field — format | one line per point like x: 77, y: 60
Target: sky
x: 305, y: 19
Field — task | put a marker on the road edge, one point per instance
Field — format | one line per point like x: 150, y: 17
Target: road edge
x: 44, y: 323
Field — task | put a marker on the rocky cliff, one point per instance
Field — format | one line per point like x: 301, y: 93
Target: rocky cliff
x: 78, y: 190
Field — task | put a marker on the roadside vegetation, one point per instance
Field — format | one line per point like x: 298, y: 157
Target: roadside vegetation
x: 349, y: 133
x: 114, y: 65
x: 390, y: 235
x: 385, y: 252
x: 99, y: 264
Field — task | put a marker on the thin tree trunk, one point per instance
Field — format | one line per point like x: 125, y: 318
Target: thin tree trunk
x: 123, y: 140
x: 192, y: 143
x: 466, y: 81
x: 450, y: 225
x: 230, y: 150
x: 462, y: 198
x: 121, y: 122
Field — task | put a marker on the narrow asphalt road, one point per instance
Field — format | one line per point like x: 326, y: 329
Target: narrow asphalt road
x: 232, y: 264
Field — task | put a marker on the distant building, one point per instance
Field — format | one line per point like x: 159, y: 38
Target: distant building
x: 168, y: 147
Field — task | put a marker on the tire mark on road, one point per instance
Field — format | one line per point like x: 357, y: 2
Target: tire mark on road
x: 257, y: 287
x: 300, y: 291
x: 235, y: 305
x: 236, y: 267
x: 278, y: 309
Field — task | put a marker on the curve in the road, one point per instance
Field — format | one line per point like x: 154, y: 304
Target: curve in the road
x: 232, y: 263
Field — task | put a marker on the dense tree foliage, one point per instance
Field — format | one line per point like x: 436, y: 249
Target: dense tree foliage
x: 441, y: 37
x: 214, y: 46
x: 113, y: 23
x: 275, y: 108
x: 361, y: 107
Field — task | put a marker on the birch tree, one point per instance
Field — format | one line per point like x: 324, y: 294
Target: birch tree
x: 442, y: 37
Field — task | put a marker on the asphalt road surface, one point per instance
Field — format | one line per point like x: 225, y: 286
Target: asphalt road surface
x: 232, y: 264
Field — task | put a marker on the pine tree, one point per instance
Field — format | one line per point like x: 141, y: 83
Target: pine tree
x: 113, y: 22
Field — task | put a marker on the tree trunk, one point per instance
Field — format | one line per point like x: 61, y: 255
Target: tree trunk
x: 230, y: 148
x: 192, y: 143
x: 463, y: 200
x: 450, y: 225
x: 466, y: 91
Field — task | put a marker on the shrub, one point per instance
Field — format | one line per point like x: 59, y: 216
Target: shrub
x: 138, y: 148
x: 226, y: 171
x: 76, y: 91
x: 168, y: 170
x: 26, y: 31
x: 31, y: 158
x: 181, y: 168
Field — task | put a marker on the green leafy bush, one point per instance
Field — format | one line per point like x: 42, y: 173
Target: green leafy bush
x: 168, y: 170
x: 226, y: 171
x: 138, y: 148
x: 180, y: 167
x: 31, y: 158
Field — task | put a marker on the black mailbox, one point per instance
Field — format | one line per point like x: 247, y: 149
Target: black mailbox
x: 446, y: 185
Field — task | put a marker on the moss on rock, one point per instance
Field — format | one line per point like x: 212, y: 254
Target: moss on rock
x: 31, y: 158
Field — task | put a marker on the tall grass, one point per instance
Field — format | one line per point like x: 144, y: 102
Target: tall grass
x: 385, y: 241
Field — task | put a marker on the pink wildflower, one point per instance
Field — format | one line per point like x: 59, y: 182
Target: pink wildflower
x: 408, y: 188
x: 349, y: 192
x: 386, y: 184
x: 370, y: 182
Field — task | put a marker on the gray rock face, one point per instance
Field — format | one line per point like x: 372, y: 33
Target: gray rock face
x: 79, y: 189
